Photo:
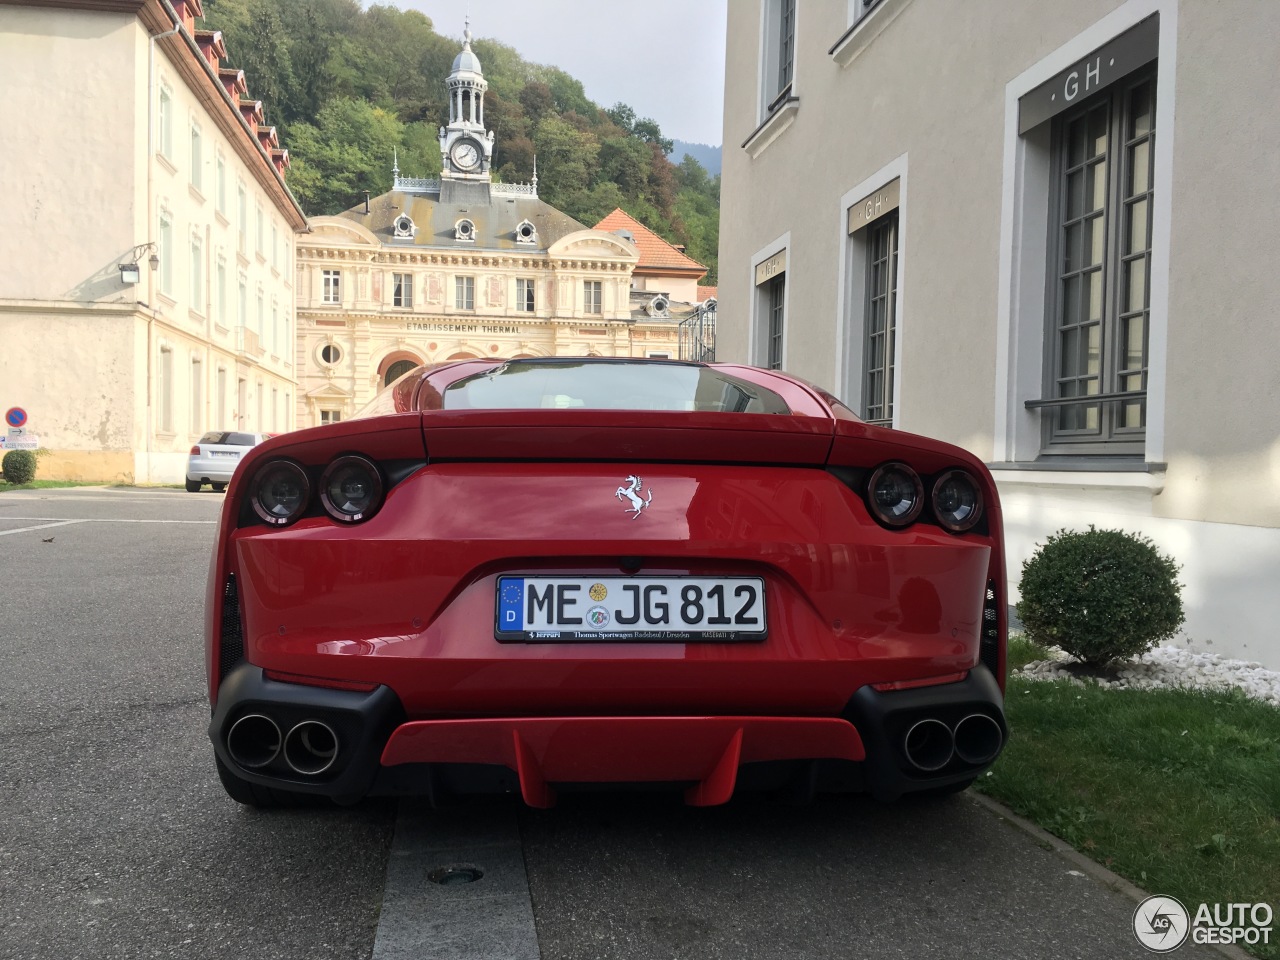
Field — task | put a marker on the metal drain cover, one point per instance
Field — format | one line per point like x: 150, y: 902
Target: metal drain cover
x: 455, y: 874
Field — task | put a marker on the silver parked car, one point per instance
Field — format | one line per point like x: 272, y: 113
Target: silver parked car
x: 214, y: 459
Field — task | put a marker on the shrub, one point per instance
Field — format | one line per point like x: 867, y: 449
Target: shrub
x: 1100, y: 595
x: 19, y: 466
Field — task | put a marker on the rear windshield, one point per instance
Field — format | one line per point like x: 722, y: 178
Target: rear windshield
x: 609, y: 385
x: 230, y: 439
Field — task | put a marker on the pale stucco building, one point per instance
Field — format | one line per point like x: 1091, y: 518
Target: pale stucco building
x: 148, y: 244
x: 964, y: 217
x: 459, y: 267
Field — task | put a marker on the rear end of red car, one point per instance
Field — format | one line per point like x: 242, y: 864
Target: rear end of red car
x: 743, y: 592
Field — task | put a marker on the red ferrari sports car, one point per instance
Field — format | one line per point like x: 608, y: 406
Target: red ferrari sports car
x: 546, y: 574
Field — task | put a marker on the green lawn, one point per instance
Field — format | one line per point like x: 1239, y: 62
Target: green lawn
x: 46, y: 484
x: 1176, y: 790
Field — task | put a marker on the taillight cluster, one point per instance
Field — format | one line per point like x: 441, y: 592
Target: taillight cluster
x: 896, y: 498
x: 350, y: 490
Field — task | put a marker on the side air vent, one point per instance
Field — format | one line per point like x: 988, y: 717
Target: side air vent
x: 989, y: 646
x: 231, y: 638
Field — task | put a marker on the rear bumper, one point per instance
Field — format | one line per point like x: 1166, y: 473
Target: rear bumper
x: 210, y: 470
x: 379, y: 752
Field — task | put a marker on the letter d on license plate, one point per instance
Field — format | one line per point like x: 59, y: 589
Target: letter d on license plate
x: 644, y: 609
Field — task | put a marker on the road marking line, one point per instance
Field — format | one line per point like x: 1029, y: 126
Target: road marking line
x: 43, y: 526
x: 59, y: 521
x: 492, y: 917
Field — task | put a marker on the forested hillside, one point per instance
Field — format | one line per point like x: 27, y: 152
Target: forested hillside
x: 348, y: 86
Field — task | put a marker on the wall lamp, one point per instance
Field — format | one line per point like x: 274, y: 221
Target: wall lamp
x: 129, y: 270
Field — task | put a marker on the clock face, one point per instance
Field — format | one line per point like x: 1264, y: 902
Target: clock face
x: 465, y: 154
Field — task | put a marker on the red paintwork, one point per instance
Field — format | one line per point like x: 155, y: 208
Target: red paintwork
x: 406, y: 599
x: 611, y: 749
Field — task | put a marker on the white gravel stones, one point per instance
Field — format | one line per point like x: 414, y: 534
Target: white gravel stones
x: 1169, y: 666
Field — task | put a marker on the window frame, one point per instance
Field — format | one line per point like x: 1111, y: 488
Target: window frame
x: 166, y: 252
x: 593, y: 297
x: 526, y: 295
x: 164, y: 123
x: 196, y: 284
x: 331, y: 287
x: 220, y: 182
x: 464, y: 292
x: 402, y: 290
x: 775, y: 293
x: 1110, y: 437
x: 197, y: 157
x: 880, y: 285
x: 197, y: 396
x: 242, y: 219
x: 778, y: 60
x: 164, y: 388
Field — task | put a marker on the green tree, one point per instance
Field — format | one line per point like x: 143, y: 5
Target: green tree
x: 348, y: 150
x: 566, y: 159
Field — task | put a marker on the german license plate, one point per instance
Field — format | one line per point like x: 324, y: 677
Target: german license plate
x: 675, y: 609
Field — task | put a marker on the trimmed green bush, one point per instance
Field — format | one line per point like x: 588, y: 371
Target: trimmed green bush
x: 19, y: 466
x: 1100, y: 595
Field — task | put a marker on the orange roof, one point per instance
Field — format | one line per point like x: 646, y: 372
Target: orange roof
x: 706, y: 293
x: 657, y: 257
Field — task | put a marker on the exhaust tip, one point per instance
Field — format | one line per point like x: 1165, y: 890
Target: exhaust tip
x: 928, y: 745
x: 253, y: 741
x: 978, y: 739
x: 311, y: 748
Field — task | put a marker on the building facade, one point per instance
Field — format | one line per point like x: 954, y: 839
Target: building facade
x: 149, y: 250
x: 1043, y: 232
x: 457, y: 268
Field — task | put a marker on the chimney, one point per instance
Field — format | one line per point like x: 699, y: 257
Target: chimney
x: 366, y: 201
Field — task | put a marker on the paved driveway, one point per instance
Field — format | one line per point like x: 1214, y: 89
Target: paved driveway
x: 118, y: 842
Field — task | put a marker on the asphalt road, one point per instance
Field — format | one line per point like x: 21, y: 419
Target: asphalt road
x: 116, y: 839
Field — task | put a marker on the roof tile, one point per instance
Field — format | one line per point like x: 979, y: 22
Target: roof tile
x: 655, y: 253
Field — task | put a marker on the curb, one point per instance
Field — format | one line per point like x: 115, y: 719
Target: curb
x: 1087, y: 866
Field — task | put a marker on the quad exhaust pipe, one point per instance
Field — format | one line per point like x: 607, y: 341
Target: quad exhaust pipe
x: 309, y: 748
x: 930, y: 744
x: 253, y: 741
x: 978, y: 739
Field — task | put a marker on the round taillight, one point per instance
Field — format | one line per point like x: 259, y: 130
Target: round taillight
x: 351, y: 489
x: 895, y: 495
x: 957, y: 501
x: 280, y: 492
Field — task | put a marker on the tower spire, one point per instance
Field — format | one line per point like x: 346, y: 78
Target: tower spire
x: 395, y: 163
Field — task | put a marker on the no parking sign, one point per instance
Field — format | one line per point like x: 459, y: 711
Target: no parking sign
x: 15, y: 417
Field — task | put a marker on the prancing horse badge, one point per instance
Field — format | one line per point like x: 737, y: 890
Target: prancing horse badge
x: 632, y: 493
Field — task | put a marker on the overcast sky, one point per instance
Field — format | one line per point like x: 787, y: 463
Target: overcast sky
x: 663, y: 57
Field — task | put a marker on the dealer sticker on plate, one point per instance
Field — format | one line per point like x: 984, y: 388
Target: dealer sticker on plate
x: 708, y: 609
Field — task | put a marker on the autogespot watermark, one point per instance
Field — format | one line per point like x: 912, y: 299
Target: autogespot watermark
x: 1163, y: 924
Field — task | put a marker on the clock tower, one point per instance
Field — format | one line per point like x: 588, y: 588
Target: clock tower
x: 466, y: 148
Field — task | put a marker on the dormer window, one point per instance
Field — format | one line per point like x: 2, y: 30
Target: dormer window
x: 526, y: 232
x: 403, y: 227
x: 464, y: 230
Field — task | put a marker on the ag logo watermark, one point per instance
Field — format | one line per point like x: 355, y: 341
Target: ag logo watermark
x: 1163, y: 924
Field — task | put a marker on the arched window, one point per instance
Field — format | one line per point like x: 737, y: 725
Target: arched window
x: 462, y: 356
x: 397, y: 370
